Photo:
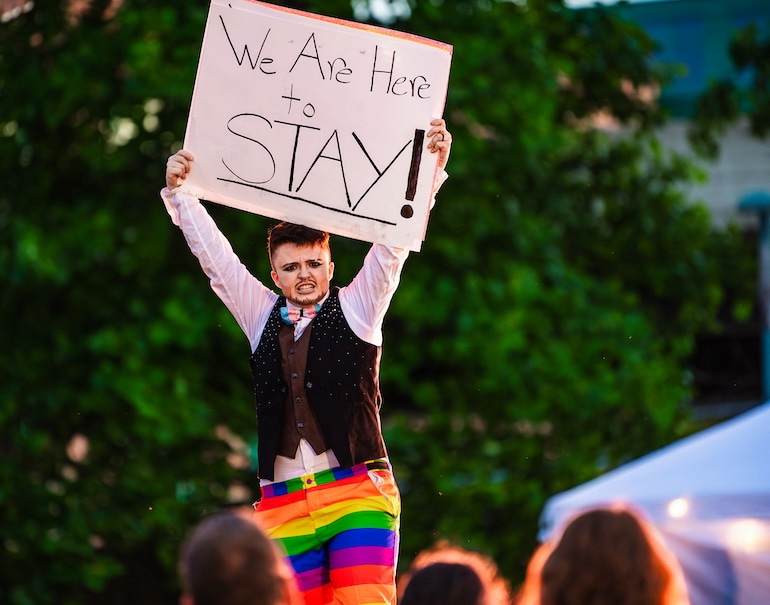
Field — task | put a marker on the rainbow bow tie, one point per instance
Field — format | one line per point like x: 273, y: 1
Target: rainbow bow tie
x: 292, y: 315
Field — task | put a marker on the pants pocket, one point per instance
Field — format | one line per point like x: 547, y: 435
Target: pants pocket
x: 385, y: 484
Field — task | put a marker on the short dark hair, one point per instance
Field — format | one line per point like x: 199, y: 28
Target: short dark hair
x: 228, y: 560
x: 496, y: 586
x: 290, y: 233
x: 444, y: 584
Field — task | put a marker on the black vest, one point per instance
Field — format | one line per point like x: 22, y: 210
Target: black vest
x: 341, y: 382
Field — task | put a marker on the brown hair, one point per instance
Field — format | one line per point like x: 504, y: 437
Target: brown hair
x: 604, y: 557
x: 290, y: 233
x: 228, y: 560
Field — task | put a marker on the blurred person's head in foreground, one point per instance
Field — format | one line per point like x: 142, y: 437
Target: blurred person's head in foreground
x: 495, y: 589
x: 444, y: 584
x: 604, y: 557
x: 228, y: 560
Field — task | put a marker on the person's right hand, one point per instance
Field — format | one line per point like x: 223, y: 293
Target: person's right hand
x: 177, y: 167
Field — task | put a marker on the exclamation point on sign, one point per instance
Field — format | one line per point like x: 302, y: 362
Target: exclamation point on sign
x: 414, y: 171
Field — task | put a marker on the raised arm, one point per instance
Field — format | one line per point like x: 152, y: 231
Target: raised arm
x: 243, y: 294
x: 366, y: 300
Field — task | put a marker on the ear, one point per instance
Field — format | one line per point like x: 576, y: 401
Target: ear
x: 331, y: 270
x: 276, y: 280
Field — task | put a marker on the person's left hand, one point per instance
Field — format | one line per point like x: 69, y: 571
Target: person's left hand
x: 439, y: 141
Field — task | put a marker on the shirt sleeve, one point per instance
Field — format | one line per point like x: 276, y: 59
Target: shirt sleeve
x: 248, y: 299
x: 366, y: 300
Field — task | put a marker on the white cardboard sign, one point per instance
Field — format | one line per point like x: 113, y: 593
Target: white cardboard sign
x: 316, y: 121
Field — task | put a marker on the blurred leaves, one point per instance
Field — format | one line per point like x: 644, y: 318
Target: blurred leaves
x: 746, y: 94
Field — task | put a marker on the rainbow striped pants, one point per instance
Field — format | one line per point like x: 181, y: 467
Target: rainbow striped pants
x: 339, y: 529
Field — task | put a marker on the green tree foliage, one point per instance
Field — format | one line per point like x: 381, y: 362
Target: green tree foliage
x: 541, y: 337
x: 745, y: 94
x: 563, y: 281
x: 111, y: 336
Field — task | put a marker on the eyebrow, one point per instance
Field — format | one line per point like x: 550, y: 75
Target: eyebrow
x: 296, y: 262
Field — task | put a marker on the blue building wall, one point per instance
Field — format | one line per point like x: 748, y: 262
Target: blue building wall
x: 695, y: 34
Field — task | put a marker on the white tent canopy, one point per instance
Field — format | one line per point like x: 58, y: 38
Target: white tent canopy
x: 709, y: 495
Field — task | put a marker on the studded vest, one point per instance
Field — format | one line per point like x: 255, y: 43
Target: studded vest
x: 341, y: 383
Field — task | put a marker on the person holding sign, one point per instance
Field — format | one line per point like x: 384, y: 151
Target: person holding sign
x: 328, y: 492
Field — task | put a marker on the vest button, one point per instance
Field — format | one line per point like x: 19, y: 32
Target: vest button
x: 297, y: 399
x: 294, y: 375
x: 301, y: 425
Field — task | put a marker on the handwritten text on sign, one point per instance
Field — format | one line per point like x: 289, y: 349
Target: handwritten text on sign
x: 316, y: 121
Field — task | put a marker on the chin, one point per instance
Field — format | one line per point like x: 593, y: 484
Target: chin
x: 306, y: 300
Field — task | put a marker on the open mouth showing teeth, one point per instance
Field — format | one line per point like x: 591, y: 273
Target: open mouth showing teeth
x: 305, y: 288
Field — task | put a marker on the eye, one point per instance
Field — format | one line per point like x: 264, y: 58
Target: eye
x: 289, y: 268
x: 315, y: 264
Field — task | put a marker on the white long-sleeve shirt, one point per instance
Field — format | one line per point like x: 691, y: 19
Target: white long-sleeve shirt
x: 364, y: 301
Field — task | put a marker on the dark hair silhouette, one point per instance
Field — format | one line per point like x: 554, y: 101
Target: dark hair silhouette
x: 444, y: 584
x: 495, y: 587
